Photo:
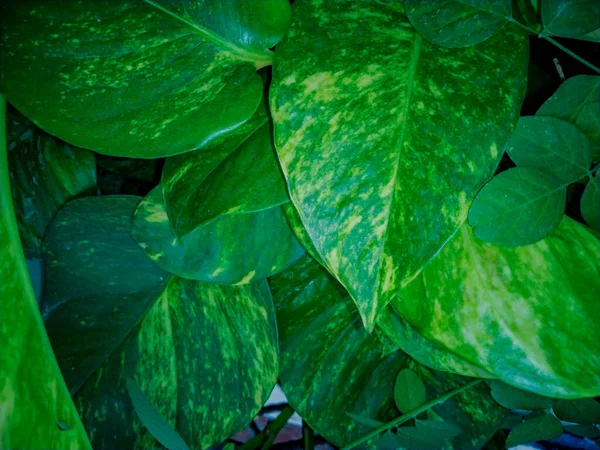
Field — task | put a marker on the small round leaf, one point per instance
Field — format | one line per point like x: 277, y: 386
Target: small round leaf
x: 409, y: 391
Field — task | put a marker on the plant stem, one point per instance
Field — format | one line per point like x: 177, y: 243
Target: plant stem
x: 309, y: 436
x: 268, y: 435
x: 411, y: 414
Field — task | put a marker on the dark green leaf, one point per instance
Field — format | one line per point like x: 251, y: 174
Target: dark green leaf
x: 417, y: 438
x: 542, y: 427
x: 585, y: 411
x: 232, y: 249
x: 382, y: 139
x: 513, y: 398
x: 518, y: 207
x: 138, y: 78
x: 588, y: 431
x: 98, y: 282
x: 553, y: 146
x: 129, y: 168
x: 467, y: 298
x: 409, y: 391
x: 438, y: 429
x: 34, y: 397
x: 45, y: 173
x: 511, y: 421
x: 365, y: 420
x: 590, y: 204
x: 458, y: 23
x: 152, y: 420
x: 570, y: 18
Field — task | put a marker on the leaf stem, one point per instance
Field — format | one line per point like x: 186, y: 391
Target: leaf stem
x: 309, y: 436
x: 267, y: 437
x: 411, y: 414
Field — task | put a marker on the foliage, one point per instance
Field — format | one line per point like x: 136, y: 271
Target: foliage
x: 341, y: 196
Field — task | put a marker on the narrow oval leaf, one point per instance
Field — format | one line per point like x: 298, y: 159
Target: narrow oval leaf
x: 152, y: 419
x: 331, y: 366
x: 458, y: 23
x: 543, y: 427
x: 585, y: 411
x: 98, y: 283
x: 590, y: 204
x: 518, y: 207
x: 513, y: 398
x: 379, y: 199
x: 138, y: 78
x: 233, y: 249
x: 552, y: 346
x: 570, y: 18
x: 589, y: 431
x: 551, y: 145
x: 45, y: 173
x: 409, y: 391
x: 34, y: 399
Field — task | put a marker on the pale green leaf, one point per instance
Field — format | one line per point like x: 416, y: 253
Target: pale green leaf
x: 138, y: 78
x: 525, y: 314
x: 385, y: 138
x: 590, y: 204
x: 518, y: 207
x: 409, y: 391
x: 551, y: 145
x: 513, y: 398
x: 36, y: 408
x: 570, y: 18
x: 541, y: 427
x: 232, y: 249
x: 584, y: 411
x: 458, y: 23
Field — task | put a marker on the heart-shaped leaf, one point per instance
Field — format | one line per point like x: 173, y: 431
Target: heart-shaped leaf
x: 385, y: 138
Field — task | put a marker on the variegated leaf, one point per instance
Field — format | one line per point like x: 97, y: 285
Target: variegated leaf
x: 385, y: 138
x: 527, y: 315
x: 138, y: 78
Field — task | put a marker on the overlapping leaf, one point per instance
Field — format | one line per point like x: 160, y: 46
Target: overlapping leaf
x: 232, y: 249
x: 385, y: 138
x: 34, y: 401
x: 537, y: 427
x: 570, y: 18
x: 590, y: 204
x: 138, y: 78
x: 526, y: 314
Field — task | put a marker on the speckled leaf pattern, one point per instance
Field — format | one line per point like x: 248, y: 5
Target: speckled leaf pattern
x: 517, y: 207
x: 577, y: 101
x: 553, y: 146
x: 33, y: 395
x: 570, y: 18
x: 45, y: 173
x: 205, y: 356
x: 590, y: 204
x: 138, y: 78
x: 331, y: 366
x: 385, y: 138
x: 98, y: 283
x: 233, y: 249
x: 526, y: 314
x: 458, y: 23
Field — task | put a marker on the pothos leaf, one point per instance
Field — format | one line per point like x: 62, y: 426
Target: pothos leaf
x: 535, y: 428
x: 570, y: 18
x: 552, y: 346
x: 138, y: 78
x: 379, y: 199
x: 232, y: 249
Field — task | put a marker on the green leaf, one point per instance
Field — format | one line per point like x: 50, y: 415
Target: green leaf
x: 458, y: 23
x: 98, y: 283
x: 585, y: 411
x: 152, y: 420
x: 45, y: 173
x: 330, y: 366
x: 553, y: 146
x: 576, y: 101
x: 365, y: 420
x: 518, y: 207
x: 541, y: 427
x: 138, y: 79
x: 232, y: 249
x: 588, y: 431
x: 513, y: 398
x: 570, y: 18
x: 473, y: 290
x: 438, y: 429
x: 512, y: 421
x: 409, y: 391
x: 590, y: 204
x: 381, y: 139
x: 35, y: 401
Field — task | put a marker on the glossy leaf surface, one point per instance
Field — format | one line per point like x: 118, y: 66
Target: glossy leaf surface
x: 518, y: 207
x: 570, y: 18
x: 458, y: 23
x: 138, y: 78
x: 536, y: 428
x: 473, y: 290
x: 375, y: 211
x: 233, y: 249
x: 33, y: 397
x: 513, y: 398
x: 590, y: 204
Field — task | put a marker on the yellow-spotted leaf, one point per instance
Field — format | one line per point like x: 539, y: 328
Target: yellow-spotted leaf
x: 138, y: 78
x: 233, y: 249
x: 36, y: 410
x: 527, y: 315
x: 385, y: 138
